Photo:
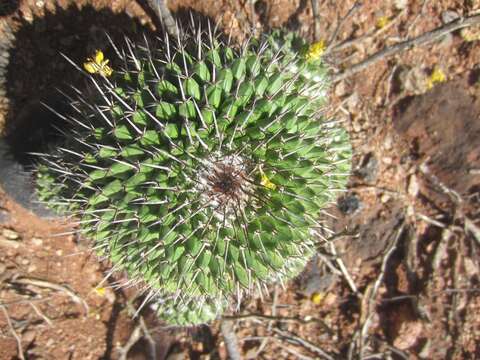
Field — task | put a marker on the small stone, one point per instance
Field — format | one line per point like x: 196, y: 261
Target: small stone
x: 4, y: 217
x: 25, y: 262
x: 340, y: 89
x: 449, y: 16
x: 59, y: 252
x: 385, y: 198
x: 368, y: 168
x: 470, y: 268
x: 29, y: 336
x: 387, y: 142
x: 357, y: 127
x: 400, y: 4
x: 352, y: 102
x: 410, y: 332
x: 414, y: 80
x: 387, y: 160
x: 3, y: 268
x: 10, y: 234
x: 37, y: 241
x: 32, y: 268
x: 50, y: 342
x: 348, y: 204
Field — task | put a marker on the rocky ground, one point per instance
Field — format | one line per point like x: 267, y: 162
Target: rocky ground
x: 400, y: 279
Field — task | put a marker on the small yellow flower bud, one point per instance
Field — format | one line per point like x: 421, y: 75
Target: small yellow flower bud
x: 317, y: 298
x: 100, y: 291
x: 382, y: 22
x: 437, y: 76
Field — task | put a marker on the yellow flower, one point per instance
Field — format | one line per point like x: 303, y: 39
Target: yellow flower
x: 316, y: 50
x: 470, y: 34
x: 98, y: 65
x: 317, y: 298
x: 100, y: 291
x: 437, y: 76
x: 382, y: 22
x: 265, y: 181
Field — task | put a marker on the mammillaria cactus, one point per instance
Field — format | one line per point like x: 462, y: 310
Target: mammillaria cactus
x: 201, y: 168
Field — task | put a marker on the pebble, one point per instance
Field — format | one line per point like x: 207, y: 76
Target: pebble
x: 37, y: 241
x: 387, y: 160
x: 340, y: 89
x: 4, y: 217
x: 353, y: 101
x: 414, y: 80
x: 369, y: 168
x: 29, y: 336
x: 387, y: 142
x: 400, y: 4
x: 449, y: 16
x: 50, y: 342
x: 3, y: 268
x: 357, y: 127
x: 385, y: 198
x: 348, y: 204
x: 10, y: 234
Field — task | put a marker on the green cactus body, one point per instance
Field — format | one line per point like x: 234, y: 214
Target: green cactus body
x: 191, y: 311
x: 201, y: 168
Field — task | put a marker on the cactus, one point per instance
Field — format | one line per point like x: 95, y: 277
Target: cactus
x: 199, y: 167
x: 191, y: 311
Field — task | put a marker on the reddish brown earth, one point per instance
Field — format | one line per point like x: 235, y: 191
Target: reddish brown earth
x: 409, y: 228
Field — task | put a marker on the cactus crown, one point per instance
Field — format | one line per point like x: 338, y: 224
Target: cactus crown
x: 198, y: 167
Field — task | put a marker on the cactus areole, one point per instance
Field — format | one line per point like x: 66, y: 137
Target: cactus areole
x: 201, y: 168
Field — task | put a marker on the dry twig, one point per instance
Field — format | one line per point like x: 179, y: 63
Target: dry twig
x: 269, y: 326
x: 132, y: 340
x: 164, y: 16
x: 294, y: 339
x: 423, y: 39
x: 316, y: 20
x: 344, y: 270
x: 14, y: 333
x: 351, y: 11
x: 231, y: 342
x: 371, y: 299
x: 49, y: 285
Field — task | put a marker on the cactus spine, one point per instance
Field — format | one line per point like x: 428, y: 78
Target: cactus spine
x: 201, y: 168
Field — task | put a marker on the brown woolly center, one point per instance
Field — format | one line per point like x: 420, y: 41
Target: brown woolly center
x: 226, y: 183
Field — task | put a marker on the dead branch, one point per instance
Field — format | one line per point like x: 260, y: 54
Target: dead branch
x: 49, y: 285
x: 140, y: 330
x: 294, y: 339
x: 370, y: 303
x: 14, y: 333
x: 231, y: 342
x: 132, y: 340
x: 39, y: 313
x: 316, y: 20
x: 284, y: 319
x: 331, y: 42
x: 164, y: 16
x: 344, y: 270
x: 269, y: 326
x: 423, y: 39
